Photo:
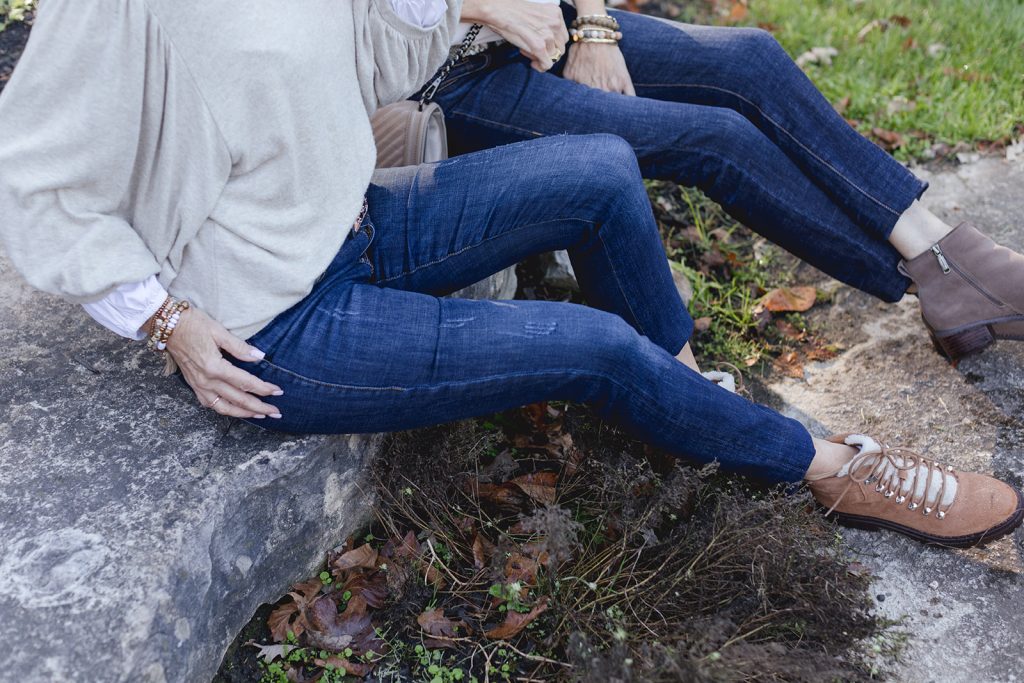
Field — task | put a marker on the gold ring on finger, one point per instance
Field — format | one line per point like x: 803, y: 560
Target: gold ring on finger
x: 215, y: 402
x: 555, y: 57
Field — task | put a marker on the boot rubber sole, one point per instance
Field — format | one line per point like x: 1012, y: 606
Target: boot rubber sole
x: 969, y: 541
x: 975, y: 339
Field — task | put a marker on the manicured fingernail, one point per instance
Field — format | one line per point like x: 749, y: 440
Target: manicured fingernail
x: 276, y: 416
x: 260, y: 417
x: 278, y: 393
x: 256, y: 353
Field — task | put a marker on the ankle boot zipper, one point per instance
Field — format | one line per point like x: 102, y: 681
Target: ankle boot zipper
x: 937, y: 250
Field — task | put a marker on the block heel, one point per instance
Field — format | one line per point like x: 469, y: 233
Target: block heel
x: 965, y: 343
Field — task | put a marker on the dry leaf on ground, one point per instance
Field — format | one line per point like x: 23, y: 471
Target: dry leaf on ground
x: 789, y: 364
x: 515, y: 622
x: 790, y: 299
x: 291, y: 616
x: 363, y: 557
x: 440, y: 628
x: 890, y: 139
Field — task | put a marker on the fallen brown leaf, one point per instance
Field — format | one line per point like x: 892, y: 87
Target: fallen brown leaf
x: 331, y: 630
x: 786, y: 299
x: 890, y: 139
x: 483, y: 550
x: 789, y: 364
x: 521, y: 568
x: 371, y: 587
x: 363, y: 557
x: 357, y: 669
x: 789, y: 330
x: 738, y: 12
x: 515, y: 622
x: 291, y: 616
x: 440, y: 628
x: 540, y: 486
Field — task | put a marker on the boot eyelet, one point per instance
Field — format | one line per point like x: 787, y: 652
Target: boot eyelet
x: 927, y: 511
x: 879, y: 488
x: 940, y: 515
x: 869, y: 480
x: 912, y: 506
x: 888, y: 494
x: 900, y: 499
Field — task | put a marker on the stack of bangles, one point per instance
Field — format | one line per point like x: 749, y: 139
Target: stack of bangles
x: 596, y: 28
x: 164, y: 322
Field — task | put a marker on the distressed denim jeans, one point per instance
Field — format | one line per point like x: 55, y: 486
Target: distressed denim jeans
x: 375, y: 348
x: 722, y: 109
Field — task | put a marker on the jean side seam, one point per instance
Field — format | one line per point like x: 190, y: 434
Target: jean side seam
x: 498, y: 124
x: 765, y: 189
x: 480, y: 243
x: 649, y: 402
x: 618, y: 283
x: 781, y: 128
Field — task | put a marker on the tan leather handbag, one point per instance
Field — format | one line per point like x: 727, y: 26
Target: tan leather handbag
x: 407, y: 135
x: 410, y: 133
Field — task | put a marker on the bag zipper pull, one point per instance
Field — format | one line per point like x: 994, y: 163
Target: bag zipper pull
x: 937, y: 250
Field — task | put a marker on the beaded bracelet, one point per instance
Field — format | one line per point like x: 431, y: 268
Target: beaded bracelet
x: 598, y: 20
x: 595, y: 35
x: 164, y: 322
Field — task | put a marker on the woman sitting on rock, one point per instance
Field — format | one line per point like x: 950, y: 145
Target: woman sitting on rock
x: 727, y: 110
x: 199, y: 175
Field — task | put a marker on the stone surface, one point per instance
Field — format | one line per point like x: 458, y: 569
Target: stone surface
x: 499, y: 286
x: 558, y: 270
x: 960, y: 608
x: 138, y: 531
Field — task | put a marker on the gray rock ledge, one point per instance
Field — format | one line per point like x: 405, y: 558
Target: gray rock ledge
x: 139, y: 532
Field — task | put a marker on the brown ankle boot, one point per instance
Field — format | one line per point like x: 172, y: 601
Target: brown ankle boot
x: 897, y: 489
x: 971, y: 291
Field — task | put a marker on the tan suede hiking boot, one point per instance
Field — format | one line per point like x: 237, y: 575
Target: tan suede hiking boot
x: 971, y: 291
x: 896, y: 489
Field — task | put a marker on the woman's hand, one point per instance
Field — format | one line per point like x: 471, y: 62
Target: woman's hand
x: 537, y: 29
x: 196, y: 347
x: 599, y: 65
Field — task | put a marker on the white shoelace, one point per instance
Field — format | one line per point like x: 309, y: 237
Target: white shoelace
x: 902, y: 473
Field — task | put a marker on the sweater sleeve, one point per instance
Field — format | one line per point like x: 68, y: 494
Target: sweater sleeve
x: 109, y: 161
x: 394, y: 58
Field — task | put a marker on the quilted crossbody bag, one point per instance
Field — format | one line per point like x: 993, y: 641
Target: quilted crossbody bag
x: 410, y: 133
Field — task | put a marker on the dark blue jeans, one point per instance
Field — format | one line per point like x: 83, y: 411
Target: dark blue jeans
x: 373, y: 348
x: 722, y: 109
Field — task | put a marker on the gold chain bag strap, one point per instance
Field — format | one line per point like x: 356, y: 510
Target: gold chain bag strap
x: 410, y: 133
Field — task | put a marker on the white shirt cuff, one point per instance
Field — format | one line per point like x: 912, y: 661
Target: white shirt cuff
x: 125, y: 310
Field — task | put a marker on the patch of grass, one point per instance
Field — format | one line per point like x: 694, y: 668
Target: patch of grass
x: 730, y: 269
x: 12, y: 11
x: 948, y: 71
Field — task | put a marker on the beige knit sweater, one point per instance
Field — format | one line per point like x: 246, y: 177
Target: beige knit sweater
x: 223, y: 146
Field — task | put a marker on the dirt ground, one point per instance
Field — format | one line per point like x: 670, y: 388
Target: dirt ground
x: 961, y: 609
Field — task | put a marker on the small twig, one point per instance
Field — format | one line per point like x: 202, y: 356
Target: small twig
x: 455, y: 580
